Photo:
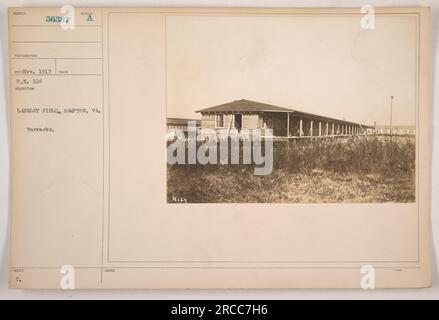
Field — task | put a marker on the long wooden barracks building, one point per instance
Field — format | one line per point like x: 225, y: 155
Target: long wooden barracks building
x: 247, y: 114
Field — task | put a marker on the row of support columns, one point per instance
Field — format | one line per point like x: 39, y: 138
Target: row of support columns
x: 310, y: 127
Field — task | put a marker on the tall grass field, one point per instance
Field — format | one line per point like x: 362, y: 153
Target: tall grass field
x: 360, y: 169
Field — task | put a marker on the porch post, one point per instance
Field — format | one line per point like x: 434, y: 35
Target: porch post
x: 300, y: 127
x: 288, y: 124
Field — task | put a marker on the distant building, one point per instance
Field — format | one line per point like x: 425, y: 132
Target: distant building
x: 396, y: 130
x: 181, y: 123
x: 251, y: 115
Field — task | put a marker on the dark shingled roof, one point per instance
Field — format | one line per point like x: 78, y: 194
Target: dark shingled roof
x: 245, y: 106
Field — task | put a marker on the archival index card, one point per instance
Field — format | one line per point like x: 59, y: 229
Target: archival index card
x: 219, y: 148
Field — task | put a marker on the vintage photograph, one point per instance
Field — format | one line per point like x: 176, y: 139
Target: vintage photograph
x: 291, y: 109
x: 220, y: 149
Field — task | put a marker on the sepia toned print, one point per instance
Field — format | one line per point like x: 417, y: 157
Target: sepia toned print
x: 220, y: 148
x: 353, y: 139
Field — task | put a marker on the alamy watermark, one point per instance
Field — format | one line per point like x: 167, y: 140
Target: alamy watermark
x: 67, y: 280
x: 367, y: 281
x: 257, y: 147
x: 67, y: 21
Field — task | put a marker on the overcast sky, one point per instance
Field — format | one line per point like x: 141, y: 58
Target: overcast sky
x: 326, y: 65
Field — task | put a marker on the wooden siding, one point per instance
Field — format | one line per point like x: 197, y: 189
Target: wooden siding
x: 251, y: 121
x: 209, y: 121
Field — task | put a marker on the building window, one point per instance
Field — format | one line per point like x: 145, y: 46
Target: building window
x: 220, y: 121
